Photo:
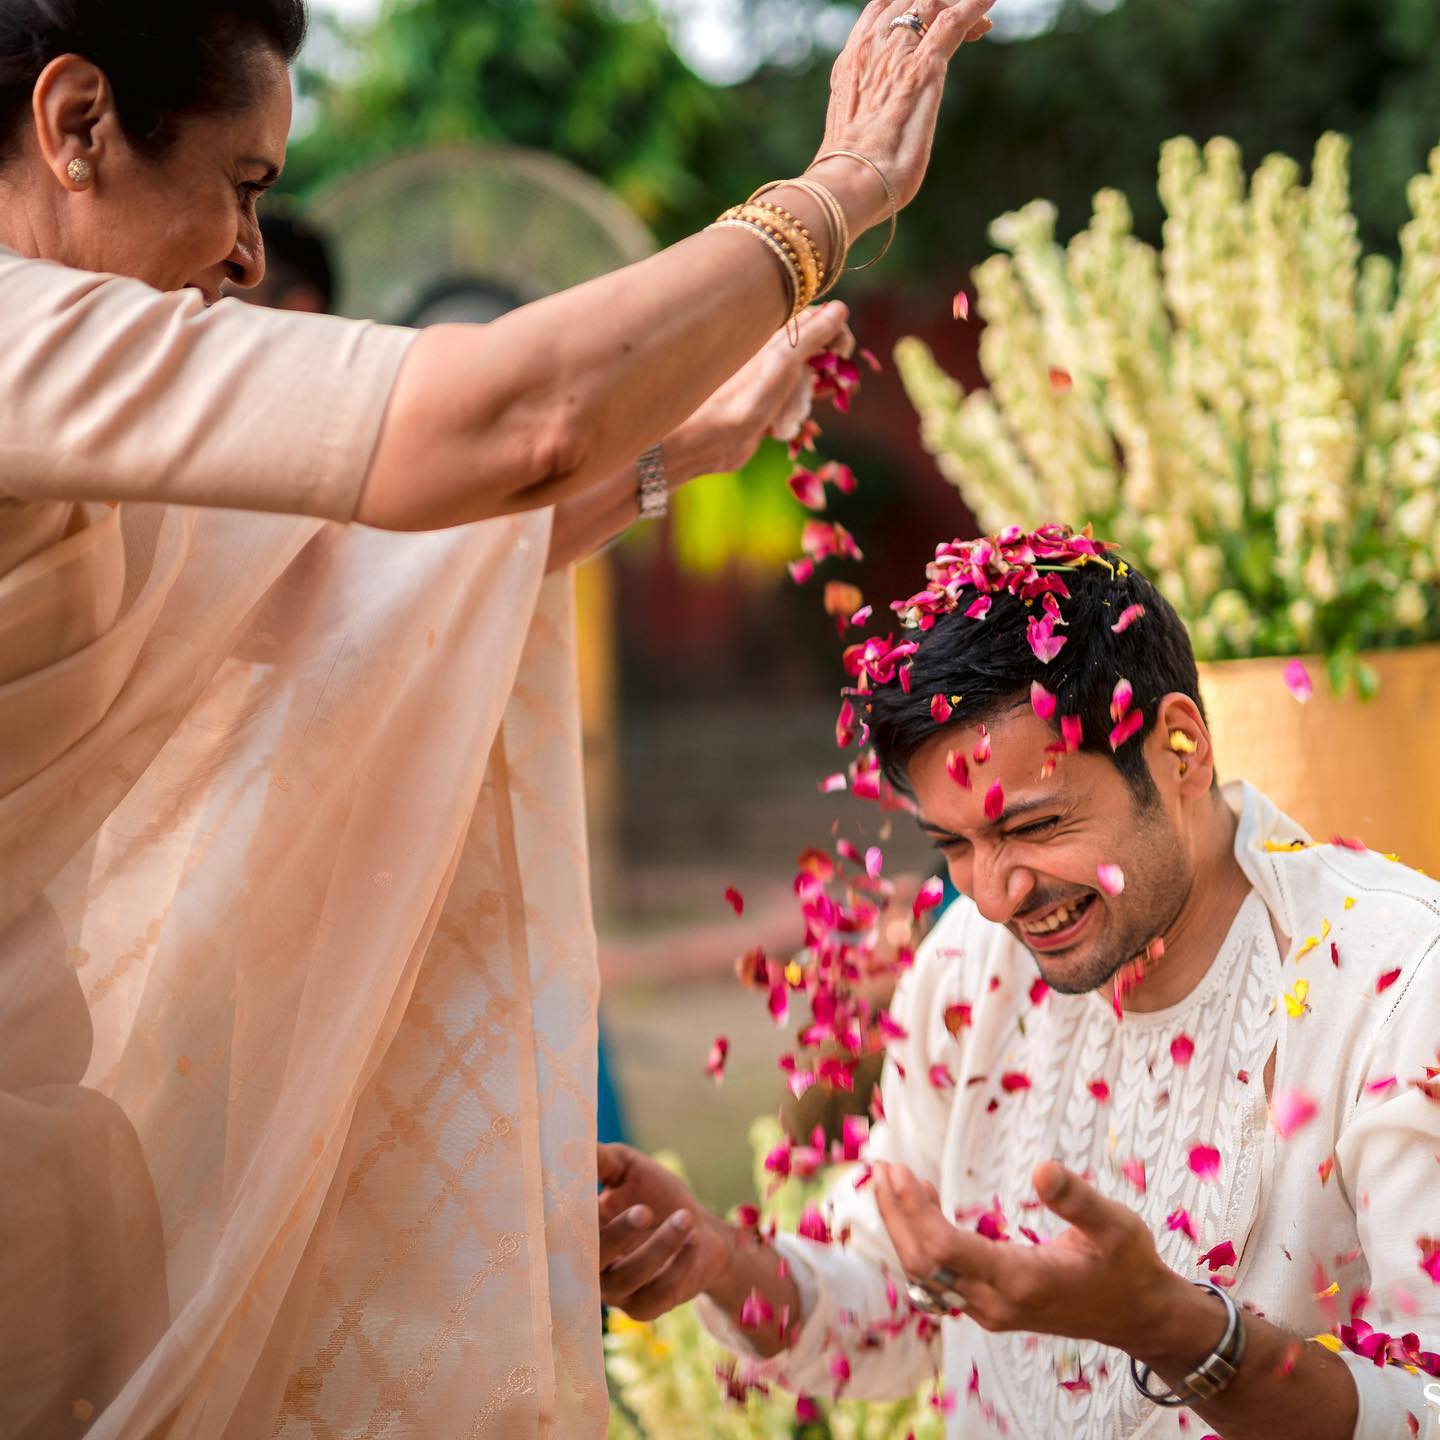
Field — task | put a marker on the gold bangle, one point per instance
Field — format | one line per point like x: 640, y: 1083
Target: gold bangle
x: 791, y: 273
x: 834, y: 214
x: 889, y: 196
x: 794, y: 239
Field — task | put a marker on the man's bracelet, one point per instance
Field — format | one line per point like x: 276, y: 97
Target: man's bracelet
x: 1213, y: 1373
x: 654, y: 492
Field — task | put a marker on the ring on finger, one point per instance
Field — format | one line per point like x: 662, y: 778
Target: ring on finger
x: 910, y: 20
x: 938, y: 1293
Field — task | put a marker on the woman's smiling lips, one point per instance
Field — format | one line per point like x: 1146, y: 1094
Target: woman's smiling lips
x: 1060, y: 926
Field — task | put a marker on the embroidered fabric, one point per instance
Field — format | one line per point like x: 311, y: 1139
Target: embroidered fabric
x: 1134, y: 1148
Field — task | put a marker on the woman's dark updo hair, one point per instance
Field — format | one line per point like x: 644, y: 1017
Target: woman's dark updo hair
x: 164, y: 58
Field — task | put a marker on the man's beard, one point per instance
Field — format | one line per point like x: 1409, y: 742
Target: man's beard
x: 1157, y: 882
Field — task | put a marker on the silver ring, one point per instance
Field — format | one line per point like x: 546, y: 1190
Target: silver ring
x: 937, y: 1293
x: 910, y: 22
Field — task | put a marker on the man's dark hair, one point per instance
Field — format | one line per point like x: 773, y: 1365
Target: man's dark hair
x: 165, y: 59
x: 297, y: 254
x: 990, y: 666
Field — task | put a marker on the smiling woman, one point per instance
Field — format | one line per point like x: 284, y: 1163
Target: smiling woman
x: 297, y: 982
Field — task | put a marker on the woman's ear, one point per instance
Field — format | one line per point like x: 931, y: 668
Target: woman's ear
x: 75, y: 120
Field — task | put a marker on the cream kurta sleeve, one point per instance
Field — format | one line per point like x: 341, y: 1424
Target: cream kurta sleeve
x: 112, y: 391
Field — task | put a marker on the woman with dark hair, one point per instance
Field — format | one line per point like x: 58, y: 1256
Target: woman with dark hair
x: 296, y: 972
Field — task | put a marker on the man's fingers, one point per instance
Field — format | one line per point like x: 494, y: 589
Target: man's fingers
x: 956, y: 24
x: 1081, y: 1205
x: 613, y: 1163
x: 924, y: 1239
x: 624, y: 1233
x: 672, y: 1286
x: 622, y: 1279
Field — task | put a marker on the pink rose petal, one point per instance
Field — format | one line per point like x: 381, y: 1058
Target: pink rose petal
x: 1128, y: 616
x: 1014, y: 1080
x: 1041, y: 701
x: 994, y: 802
x: 1290, y: 1110
x: 1182, y: 1050
x: 1430, y: 1257
x: 979, y: 608
x: 807, y: 488
x: 1298, y: 681
x: 1061, y: 381
x: 801, y: 570
x: 930, y: 894
x: 735, y: 899
x: 1180, y: 1220
x: 1134, y: 1172
x: 957, y: 769
x: 1111, y: 878
x: 1072, y: 732
x: 1129, y: 727
x: 1043, y: 640
x: 1121, y: 698
x: 960, y: 306
x: 1387, y: 980
x: 715, y: 1065
x: 1218, y: 1256
x: 939, y: 709
x: 1099, y: 1089
x: 874, y: 862
x: 1205, y: 1161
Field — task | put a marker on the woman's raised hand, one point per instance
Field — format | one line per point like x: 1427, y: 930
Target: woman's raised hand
x: 886, y: 87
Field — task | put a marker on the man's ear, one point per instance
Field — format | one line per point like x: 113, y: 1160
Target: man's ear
x: 75, y: 119
x: 1183, y: 752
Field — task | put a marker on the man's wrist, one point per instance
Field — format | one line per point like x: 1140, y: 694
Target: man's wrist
x: 1174, y: 1327
x: 731, y: 1286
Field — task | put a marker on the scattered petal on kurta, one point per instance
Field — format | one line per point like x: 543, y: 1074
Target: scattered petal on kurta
x: 1205, y: 1161
x: 1014, y: 1080
x: 1218, y: 1256
x: 1430, y: 1257
x: 941, y: 1078
x: 1182, y: 1050
x: 1180, y: 1220
x: 1386, y: 981
x: 1134, y: 1172
x: 1099, y: 1089
x: 1297, y: 999
x: 958, y: 1017
x: 1290, y: 1110
x: 1111, y: 879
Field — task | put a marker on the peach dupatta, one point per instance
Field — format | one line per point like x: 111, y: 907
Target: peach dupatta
x: 297, y: 986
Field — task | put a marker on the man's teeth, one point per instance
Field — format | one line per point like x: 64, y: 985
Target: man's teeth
x: 1056, y: 919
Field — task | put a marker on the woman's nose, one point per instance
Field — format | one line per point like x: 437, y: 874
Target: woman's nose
x: 246, y: 262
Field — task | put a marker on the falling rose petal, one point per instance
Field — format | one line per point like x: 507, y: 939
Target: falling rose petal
x: 1298, y: 681
x: 715, y: 1065
x: 1128, y: 616
x: 834, y: 784
x: 1039, y: 989
x: 1061, y: 381
x: 1290, y: 1110
x: 839, y: 1369
x: 995, y: 802
x: 1111, y: 878
x: 1099, y: 1089
x: 957, y: 769
x: 862, y: 615
x: 1014, y: 1080
x: 960, y: 306
x: 1129, y: 727
x: 747, y: 1217
x: 930, y: 894
x: 1182, y: 1050
x: 735, y: 899
x: 939, y: 709
x: 1218, y: 1257
x: 807, y: 488
x: 1379, y: 1087
x: 1072, y: 732
x: 957, y: 1017
x: 982, y: 751
x: 842, y: 599
x: 801, y: 570
x: 807, y: 1412
x: 1205, y: 1161
x: 756, y: 1311
x: 1386, y: 981
x: 979, y: 608
x: 941, y: 1078
x: 1430, y: 1257
x: 842, y: 477
x: 1121, y: 698
x: 1042, y: 702
x: 1134, y: 1172
x: 812, y: 1226
x: 1180, y: 1220
x: 874, y: 862
x: 868, y: 356
x: 1324, y: 1168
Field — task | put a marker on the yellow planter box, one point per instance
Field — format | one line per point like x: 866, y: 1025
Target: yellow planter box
x: 1339, y: 766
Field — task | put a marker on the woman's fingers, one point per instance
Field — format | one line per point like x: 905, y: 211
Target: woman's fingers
x: 822, y: 327
x: 958, y: 23
x: 646, y: 1261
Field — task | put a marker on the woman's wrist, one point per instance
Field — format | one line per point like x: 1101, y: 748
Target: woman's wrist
x: 858, y: 189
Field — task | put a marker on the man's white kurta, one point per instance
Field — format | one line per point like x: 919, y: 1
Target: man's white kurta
x: 1296, y: 1229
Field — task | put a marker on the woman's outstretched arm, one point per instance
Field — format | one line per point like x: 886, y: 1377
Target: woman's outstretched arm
x: 560, y: 396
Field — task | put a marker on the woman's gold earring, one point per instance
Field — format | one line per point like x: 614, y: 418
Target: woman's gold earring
x: 80, y: 171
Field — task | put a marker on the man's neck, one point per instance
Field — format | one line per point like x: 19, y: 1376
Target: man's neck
x: 1193, y: 940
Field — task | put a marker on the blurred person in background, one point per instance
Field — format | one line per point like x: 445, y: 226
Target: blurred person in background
x: 299, y: 272
x: 297, y: 980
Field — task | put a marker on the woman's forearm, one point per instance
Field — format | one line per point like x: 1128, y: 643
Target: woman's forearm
x: 558, y: 397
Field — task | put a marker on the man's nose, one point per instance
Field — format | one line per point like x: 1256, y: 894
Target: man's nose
x: 1000, y: 890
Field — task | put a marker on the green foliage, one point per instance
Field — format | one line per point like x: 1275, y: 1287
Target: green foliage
x: 663, y: 1375
x: 1252, y: 411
